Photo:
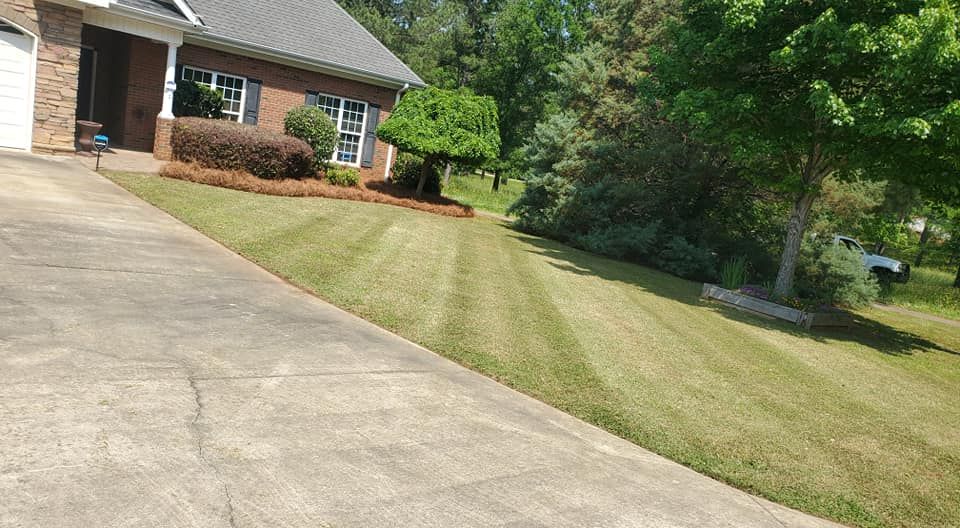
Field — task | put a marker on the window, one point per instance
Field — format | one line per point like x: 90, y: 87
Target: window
x: 230, y: 87
x: 350, y: 117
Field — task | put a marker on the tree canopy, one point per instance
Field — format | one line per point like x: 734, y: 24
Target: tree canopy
x: 444, y: 125
x: 453, y: 125
x: 795, y: 91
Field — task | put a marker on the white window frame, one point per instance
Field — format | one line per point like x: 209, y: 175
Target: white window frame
x: 339, y: 123
x: 213, y: 86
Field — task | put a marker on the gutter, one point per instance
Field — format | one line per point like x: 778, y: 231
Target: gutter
x: 279, y: 53
x: 386, y: 170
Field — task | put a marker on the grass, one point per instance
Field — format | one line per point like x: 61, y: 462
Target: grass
x: 929, y: 290
x: 470, y: 189
x: 862, y: 426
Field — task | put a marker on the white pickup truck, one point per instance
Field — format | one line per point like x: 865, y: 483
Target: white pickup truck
x: 886, y: 269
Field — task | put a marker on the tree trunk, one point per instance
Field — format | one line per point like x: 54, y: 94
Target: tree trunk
x: 446, y: 174
x: 496, y: 181
x: 956, y: 281
x: 815, y: 169
x: 879, y: 248
x: 922, y: 248
x: 482, y: 173
x: 791, y: 250
x: 425, y: 172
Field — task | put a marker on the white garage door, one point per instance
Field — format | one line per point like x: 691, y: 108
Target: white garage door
x: 16, y: 54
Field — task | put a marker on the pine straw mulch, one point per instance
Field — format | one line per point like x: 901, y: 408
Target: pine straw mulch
x: 375, y: 192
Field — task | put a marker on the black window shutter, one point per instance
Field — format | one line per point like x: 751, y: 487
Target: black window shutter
x: 252, y: 103
x: 312, y: 98
x: 370, y: 141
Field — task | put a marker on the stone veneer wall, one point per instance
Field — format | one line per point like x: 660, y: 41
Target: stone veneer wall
x: 58, y: 65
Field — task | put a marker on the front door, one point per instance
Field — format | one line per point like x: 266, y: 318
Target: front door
x: 85, y: 85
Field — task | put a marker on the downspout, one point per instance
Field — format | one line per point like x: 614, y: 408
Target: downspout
x: 386, y: 170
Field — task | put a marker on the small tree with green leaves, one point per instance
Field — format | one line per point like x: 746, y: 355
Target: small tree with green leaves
x: 443, y: 126
x: 197, y: 100
x: 796, y: 91
x: 315, y: 127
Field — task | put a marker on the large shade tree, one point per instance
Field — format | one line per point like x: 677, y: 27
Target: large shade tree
x: 795, y: 91
x: 529, y: 39
x: 444, y: 126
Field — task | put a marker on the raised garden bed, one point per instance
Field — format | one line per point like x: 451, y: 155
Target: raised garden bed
x: 806, y: 319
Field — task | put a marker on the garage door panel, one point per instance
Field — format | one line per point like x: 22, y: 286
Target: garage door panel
x: 16, y: 57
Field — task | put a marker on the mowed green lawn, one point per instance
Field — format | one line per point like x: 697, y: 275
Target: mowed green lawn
x: 928, y: 290
x: 862, y: 427
x: 470, y: 189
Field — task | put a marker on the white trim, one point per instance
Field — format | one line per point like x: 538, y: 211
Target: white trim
x: 339, y: 123
x: 213, y: 85
x: 130, y: 23
x: 187, y: 12
x: 396, y: 101
x: 303, y: 62
x: 153, y: 18
x: 31, y: 83
x: 169, y: 83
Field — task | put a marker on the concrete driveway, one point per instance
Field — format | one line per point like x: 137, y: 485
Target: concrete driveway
x: 150, y: 377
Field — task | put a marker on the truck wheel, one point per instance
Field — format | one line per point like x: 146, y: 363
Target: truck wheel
x: 884, y: 276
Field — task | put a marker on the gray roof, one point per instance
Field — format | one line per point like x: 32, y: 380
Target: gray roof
x: 318, y: 31
x: 155, y: 7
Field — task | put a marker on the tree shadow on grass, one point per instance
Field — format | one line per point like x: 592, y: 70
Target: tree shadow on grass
x: 865, y: 331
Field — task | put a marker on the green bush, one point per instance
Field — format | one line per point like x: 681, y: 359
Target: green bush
x: 624, y: 241
x: 228, y: 145
x: 406, y: 172
x: 834, y: 275
x: 196, y: 100
x: 684, y: 259
x: 733, y: 273
x: 314, y: 127
x: 343, y: 176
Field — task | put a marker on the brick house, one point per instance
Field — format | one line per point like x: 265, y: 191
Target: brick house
x: 116, y: 62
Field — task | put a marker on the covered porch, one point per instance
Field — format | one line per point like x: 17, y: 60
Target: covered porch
x: 126, y: 78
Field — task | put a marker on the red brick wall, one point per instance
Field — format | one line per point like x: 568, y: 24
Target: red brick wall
x: 161, y: 145
x: 284, y: 87
x: 148, y: 64
x: 58, y: 64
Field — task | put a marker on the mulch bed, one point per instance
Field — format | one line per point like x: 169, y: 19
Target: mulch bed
x: 374, y: 192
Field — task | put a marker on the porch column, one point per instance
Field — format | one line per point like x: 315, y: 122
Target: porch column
x: 169, y: 82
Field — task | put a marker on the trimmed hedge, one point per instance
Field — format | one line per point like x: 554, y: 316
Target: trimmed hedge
x: 315, y: 127
x: 227, y: 145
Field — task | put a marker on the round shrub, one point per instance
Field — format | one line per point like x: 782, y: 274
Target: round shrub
x: 228, y: 145
x: 406, y: 172
x: 834, y: 275
x: 196, y: 100
x: 683, y: 259
x: 343, y: 176
x: 315, y: 127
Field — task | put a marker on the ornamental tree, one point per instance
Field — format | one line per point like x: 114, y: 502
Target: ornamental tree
x: 443, y: 126
x: 794, y: 91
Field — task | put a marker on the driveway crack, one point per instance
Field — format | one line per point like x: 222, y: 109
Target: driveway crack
x: 198, y: 434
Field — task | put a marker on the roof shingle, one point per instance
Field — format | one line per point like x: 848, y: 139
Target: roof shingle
x: 319, y: 30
